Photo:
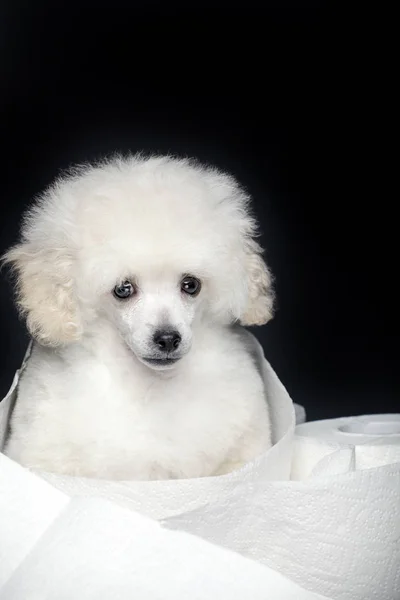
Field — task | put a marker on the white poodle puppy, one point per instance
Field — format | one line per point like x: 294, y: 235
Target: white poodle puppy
x: 133, y: 275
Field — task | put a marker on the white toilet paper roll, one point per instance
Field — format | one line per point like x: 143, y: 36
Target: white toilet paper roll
x: 349, y: 443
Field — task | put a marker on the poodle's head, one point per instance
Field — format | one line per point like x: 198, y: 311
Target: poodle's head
x: 155, y: 246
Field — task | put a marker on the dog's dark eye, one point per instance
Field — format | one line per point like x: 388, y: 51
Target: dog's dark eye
x: 124, y: 290
x: 190, y: 285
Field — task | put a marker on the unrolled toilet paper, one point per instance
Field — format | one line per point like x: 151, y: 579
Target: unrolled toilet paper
x: 95, y: 550
x: 28, y: 505
x: 334, y: 530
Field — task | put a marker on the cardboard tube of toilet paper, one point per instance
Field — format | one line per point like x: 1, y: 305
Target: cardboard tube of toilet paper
x: 368, y: 441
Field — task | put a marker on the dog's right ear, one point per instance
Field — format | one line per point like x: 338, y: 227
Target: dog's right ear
x: 260, y: 301
x: 45, y: 294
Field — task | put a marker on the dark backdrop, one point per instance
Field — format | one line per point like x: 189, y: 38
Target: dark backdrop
x: 294, y: 101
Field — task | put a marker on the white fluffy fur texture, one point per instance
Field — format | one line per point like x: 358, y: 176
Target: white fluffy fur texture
x: 91, y: 401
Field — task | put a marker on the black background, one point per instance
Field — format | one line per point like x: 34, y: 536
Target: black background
x: 294, y: 100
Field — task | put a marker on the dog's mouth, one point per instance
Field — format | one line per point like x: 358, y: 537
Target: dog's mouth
x: 160, y: 363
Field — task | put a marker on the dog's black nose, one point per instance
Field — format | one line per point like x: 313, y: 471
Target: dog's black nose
x: 167, y: 341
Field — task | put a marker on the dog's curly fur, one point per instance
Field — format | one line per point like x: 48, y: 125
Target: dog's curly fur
x: 98, y: 397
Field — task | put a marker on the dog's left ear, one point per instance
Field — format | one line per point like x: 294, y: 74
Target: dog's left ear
x: 260, y: 296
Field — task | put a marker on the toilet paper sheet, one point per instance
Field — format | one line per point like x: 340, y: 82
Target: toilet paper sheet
x: 95, y: 550
x: 28, y: 505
